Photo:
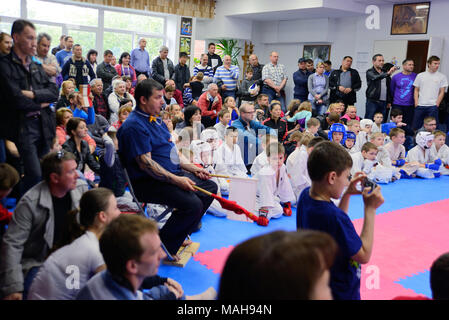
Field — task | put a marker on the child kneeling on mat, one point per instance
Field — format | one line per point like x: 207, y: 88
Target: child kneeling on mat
x: 428, y: 169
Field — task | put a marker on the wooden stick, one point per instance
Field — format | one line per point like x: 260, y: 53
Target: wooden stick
x: 231, y: 177
x: 202, y: 190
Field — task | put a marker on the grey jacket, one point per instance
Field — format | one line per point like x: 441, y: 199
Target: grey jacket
x: 324, y: 94
x: 29, y: 237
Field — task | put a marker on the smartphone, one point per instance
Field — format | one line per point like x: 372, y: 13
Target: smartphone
x: 397, y: 67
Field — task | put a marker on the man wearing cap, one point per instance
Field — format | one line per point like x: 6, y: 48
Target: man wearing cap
x: 162, y: 67
x: 140, y: 59
x: 300, y: 78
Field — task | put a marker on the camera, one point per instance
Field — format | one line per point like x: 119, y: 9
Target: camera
x: 397, y: 67
x: 368, y: 183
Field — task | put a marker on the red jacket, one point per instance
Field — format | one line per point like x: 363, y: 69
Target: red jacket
x: 204, y: 103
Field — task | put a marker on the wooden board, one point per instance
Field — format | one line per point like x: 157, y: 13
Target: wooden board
x: 187, y: 253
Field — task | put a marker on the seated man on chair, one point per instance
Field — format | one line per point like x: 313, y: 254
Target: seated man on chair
x: 157, y: 173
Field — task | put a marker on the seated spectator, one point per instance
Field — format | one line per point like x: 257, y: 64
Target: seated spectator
x: 429, y: 125
x: 119, y: 87
x: 98, y: 129
x: 168, y: 97
x: 271, y: 267
x: 196, y: 85
x: 100, y: 101
x: 77, y: 130
x: 229, y: 103
x: 177, y: 94
x: 123, y: 68
x: 262, y: 107
x: 299, y: 116
x: 326, y: 121
x: 129, y: 85
x: 210, y: 103
x: 351, y: 114
x: 9, y: 177
x: 98, y: 207
x: 123, y: 113
x: 67, y: 88
x: 175, y: 111
x: 88, y: 114
x: 275, y: 121
x: 192, y: 119
x: 62, y: 117
x: 32, y: 234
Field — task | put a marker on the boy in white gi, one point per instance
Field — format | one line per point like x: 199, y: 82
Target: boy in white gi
x: 365, y: 131
x: 440, y: 150
x: 228, y: 157
x: 428, y: 169
x: 261, y: 160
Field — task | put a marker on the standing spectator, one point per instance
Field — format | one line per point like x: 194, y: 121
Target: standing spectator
x: 105, y: 71
x: 318, y: 87
x: 39, y: 223
x: 214, y: 60
x: 140, y: 59
x: 63, y: 55
x: 301, y: 78
x: 78, y: 68
x: 402, y: 91
x: 123, y: 68
x: 429, y: 92
x: 344, y: 83
x: 60, y: 47
x: 208, y: 72
x: 162, y: 67
x: 181, y: 73
x: 310, y: 65
x: 274, y: 78
x: 257, y: 69
x: 5, y: 44
x: 378, y: 93
x: 49, y: 62
x: 226, y: 77
x: 100, y: 101
x: 328, y: 67
x: 26, y: 93
x: 210, y: 103
x: 92, y: 58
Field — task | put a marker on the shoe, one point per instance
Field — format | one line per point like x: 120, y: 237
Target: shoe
x: 263, y: 217
x: 198, y: 227
x: 287, y: 207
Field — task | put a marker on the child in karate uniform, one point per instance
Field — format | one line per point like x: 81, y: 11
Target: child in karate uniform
x: 337, y: 133
x: 274, y: 191
x: 396, y: 151
x: 428, y: 169
x: 365, y: 161
x: 350, y: 142
x: 228, y: 157
x: 261, y: 160
x: 365, y: 131
x: 297, y: 164
x: 383, y: 157
x: 440, y: 150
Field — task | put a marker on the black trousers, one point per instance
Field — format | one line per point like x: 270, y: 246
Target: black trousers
x: 190, y: 206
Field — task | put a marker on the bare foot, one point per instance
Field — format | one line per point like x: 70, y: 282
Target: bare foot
x: 187, y: 242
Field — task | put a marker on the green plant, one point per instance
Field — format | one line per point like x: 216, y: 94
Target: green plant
x: 196, y: 61
x: 229, y: 47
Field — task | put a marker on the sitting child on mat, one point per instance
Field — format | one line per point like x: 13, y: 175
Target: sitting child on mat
x: 351, y: 138
x: 337, y: 133
x: 228, y: 157
x: 396, y: 151
x: 274, y: 191
x: 261, y: 160
x: 383, y: 157
x: 377, y: 122
x: 365, y: 131
x: 365, y: 161
x: 420, y: 153
x: 440, y: 150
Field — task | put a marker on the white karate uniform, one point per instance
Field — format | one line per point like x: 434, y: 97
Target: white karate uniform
x: 442, y: 154
x: 297, y: 170
x: 259, y: 162
x: 270, y: 194
x: 229, y: 162
x: 373, y: 169
x: 416, y: 154
x: 375, y: 128
x: 362, y: 138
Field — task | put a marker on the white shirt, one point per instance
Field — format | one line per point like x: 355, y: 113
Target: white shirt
x: 259, y: 162
x: 429, y: 84
x: 229, y: 162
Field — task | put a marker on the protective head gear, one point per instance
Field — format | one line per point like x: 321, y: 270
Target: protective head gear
x: 337, y: 127
x: 351, y: 135
x: 208, y: 134
x: 365, y: 122
x: 253, y: 89
x: 197, y: 147
x: 422, y: 138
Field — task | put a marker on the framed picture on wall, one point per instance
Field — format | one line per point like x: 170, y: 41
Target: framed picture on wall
x: 410, y: 18
x: 318, y: 53
x: 186, y: 26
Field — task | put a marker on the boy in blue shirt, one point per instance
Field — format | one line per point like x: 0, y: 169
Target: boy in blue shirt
x: 329, y: 168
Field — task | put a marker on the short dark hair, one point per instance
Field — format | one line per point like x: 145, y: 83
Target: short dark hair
x: 108, y: 52
x: 183, y: 54
x: 19, y: 25
x: 328, y: 62
x: 345, y: 57
x: 279, y: 265
x: 91, y: 52
x: 261, y: 95
x: 312, y: 143
x: 309, y: 61
x: 67, y: 38
x: 326, y: 157
x: 395, y: 131
x: 123, y: 55
x: 120, y: 241
x: 406, y: 60
x: 42, y: 35
x: 377, y: 55
x: 8, y: 176
x: 210, y: 44
x: 439, y: 277
x: 52, y: 163
x: 145, y: 89
x: 230, y: 129
x: 432, y: 59
x: 72, y: 124
x: 396, y: 112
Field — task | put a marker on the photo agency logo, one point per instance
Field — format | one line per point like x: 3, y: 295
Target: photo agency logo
x: 372, y: 22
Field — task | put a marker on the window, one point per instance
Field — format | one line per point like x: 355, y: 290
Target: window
x: 54, y: 32
x: 12, y: 9
x: 62, y: 13
x: 85, y: 38
x: 133, y: 22
x: 117, y: 43
x: 5, y: 27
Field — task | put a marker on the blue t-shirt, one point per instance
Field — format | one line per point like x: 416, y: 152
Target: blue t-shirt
x: 138, y: 135
x: 402, y: 89
x: 325, y: 216
x: 62, y: 56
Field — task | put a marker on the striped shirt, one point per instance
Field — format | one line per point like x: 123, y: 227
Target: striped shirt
x: 207, y: 71
x: 274, y: 72
x: 229, y: 77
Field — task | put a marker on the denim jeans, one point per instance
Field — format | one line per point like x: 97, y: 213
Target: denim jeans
x: 318, y: 109
x: 422, y: 112
x: 273, y: 96
x: 373, y: 106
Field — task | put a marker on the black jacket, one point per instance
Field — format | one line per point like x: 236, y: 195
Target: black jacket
x: 157, y: 67
x: 84, y: 157
x: 374, y: 80
x: 214, y: 56
x: 181, y: 76
x: 334, y: 83
x: 14, y: 78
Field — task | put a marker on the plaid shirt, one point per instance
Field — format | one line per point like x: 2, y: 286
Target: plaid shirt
x: 274, y: 72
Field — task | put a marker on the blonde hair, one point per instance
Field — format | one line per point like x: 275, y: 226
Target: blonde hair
x: 375, y: 135
x: 296, y: 136
x: 319, y: 64
x: 352, y: 107
x: 332, y: 106
x: 294, y: 104
x: 306, y: 105
x: 352, y: 122
x: 438, y: 133
x: 306, y: 137
x: 64, y: 87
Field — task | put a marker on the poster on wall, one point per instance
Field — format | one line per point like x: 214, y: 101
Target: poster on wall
x: 186, y: 26
x: 318, y: 53
x: 410, y: 18
x: 184, y: 46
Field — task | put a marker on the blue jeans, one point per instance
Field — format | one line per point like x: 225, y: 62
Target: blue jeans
x: 227, y: 93
x: 273, y: 96
x: 318, y: 109
x: 423, y: 112
x: 28, y: 281
x: 373, y: 106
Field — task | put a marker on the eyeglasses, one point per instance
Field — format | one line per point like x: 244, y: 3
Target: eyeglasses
x: 248, y: 111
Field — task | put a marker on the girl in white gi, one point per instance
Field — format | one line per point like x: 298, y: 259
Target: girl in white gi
x: 297, y: 166
x: 274, y: 191
x: 228, y: 157
x: 202, y: 155
x: 363, y: 135
x: 421, y: 153
x: 261, y: 160
x: 440, y: 150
